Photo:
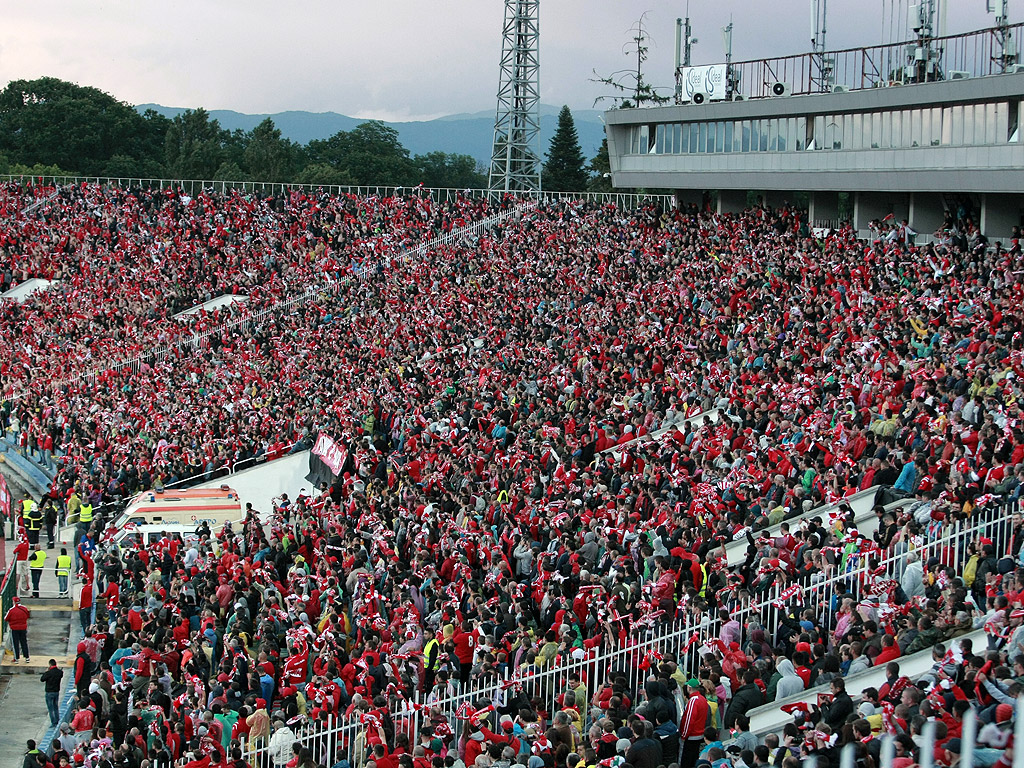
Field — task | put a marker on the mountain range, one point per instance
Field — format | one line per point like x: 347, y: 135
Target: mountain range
x: 467, y: 134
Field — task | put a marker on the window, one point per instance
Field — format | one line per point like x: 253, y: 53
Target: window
x: 745, y: 129
x: 694, y: 134
x: 968, y: 124
x: 711, y: 137
x: 702, y: 138
x: 987, y: 123
x: 1013, y: 122
x: 678, y: 132
x: 855, y: 138
x: 916, y: 124
x: 947, y: 126
x: 659, y: 141
x: 720, y: 131
x: 729, y: 135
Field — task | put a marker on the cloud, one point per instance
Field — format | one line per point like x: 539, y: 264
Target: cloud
x: 403, y: 58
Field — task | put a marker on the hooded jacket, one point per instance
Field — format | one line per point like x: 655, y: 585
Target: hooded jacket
x: 790, y: 682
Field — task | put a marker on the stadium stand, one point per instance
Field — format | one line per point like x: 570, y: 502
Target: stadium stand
x: 525, y: 559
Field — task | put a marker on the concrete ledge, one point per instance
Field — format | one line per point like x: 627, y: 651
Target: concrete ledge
x: 770, y: 718
x: 861, y: 503
x: 31, y: 474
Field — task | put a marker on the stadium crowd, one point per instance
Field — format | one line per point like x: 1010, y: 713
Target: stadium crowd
x: 152, y: 253
x: 529, y: 489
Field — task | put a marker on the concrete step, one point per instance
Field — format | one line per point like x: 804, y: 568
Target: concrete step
x: 36, y: 666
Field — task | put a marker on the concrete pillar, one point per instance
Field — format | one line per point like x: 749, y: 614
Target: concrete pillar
x: 926, y: 212
x: 877, y: 205
x: 999, y: 213
x: 823, y: 207
x: 732, y: 200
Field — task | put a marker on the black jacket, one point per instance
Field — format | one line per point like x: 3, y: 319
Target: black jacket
x: 836, y: 713
x: 645, y: 753
x: 52, y: 678
x: 746, y: 698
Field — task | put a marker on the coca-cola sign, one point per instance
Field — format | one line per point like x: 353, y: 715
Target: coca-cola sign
x: 330, y: 453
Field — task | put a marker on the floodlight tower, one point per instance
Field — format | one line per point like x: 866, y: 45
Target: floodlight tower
x: 515, y: 157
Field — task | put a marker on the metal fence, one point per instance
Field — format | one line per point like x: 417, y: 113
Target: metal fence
x: 339, y: 738
x: 624, y: 200
x: 975, y: 53
x: 8, y: 592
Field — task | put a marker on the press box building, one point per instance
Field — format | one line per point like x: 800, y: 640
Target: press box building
x: 902, y: 133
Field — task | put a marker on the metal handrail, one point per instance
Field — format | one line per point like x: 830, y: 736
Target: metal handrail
x: 873, y: 66
x: 441, y: 194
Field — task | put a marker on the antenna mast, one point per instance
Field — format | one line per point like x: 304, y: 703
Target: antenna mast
x: 823, y: 63
x: 515, y: 157
x: 684, y: 50
x: 731, y: 78
x: 1007, y: 45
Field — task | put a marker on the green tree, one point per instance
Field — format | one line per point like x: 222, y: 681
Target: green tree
x: 269, y: 156
x: 370, y: 153
x: 229, y: 171
x: 195, y: 146
x: 50, y: 121
x: 325, y: 175
x: 440, y: 169
x: 563, y: 171
x: 600, y: 169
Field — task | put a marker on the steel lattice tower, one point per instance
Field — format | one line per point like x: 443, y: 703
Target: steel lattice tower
x: 515, y: 159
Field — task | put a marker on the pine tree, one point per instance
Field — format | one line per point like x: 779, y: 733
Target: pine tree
x: 564, y: 171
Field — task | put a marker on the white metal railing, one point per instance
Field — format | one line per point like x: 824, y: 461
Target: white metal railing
x: 341, y: 737
x: 441, y: 194
x: 862, y: 568
x: 681, y: 639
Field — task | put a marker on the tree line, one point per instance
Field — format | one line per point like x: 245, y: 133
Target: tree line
x: 52, y: 127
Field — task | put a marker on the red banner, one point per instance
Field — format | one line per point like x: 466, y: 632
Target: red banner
x: 330, y: 453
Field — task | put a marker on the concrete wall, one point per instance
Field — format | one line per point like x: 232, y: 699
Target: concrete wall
x: 999, y: 213
x: 993, y: 168
x: 926, y: 212
x: 732, y: 200
x: 992, y: 88
x: 868, y: 206
x: 823, y: 206
x: 262, y: 483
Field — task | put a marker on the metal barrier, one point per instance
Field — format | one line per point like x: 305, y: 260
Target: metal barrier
x: 7, y: 594
x: 440, y: 194
x: 976, y: 53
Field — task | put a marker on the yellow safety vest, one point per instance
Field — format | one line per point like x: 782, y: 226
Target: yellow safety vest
x: 38, y: 559
x: 27, y: 506
x: 85, y: 513
x: 63, y: 565
x: 426, y: 655
x: 703, y: 581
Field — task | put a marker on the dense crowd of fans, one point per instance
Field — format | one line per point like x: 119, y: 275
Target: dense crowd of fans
x: 125, y: 261
x: 524, y: 492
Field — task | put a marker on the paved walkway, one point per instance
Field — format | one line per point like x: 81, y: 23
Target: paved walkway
x: 23, y: 712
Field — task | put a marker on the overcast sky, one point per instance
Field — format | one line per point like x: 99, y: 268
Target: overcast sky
x: 393, y: 59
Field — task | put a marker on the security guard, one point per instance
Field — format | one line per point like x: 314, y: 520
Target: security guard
x: 35, y: 564
x: 33, y: 519
x: 431, y: 661
x: 85, y: 515
x: 63, y: 572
